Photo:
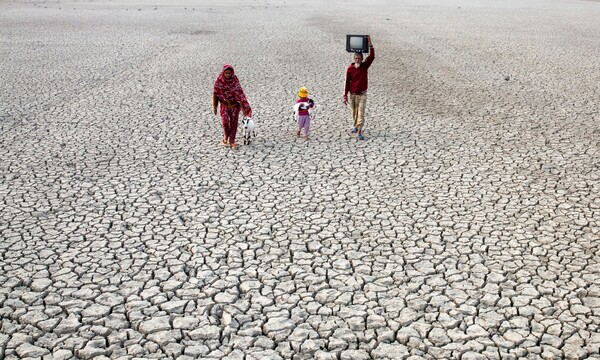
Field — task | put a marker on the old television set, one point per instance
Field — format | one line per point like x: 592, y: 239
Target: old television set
x: 357, y: 43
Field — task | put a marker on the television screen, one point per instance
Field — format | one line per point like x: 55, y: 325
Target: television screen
x: 357, y: 43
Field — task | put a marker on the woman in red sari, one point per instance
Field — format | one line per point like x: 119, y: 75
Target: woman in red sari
x: 228, y: 92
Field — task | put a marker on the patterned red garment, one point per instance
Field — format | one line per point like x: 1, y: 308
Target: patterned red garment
x: 231, y: 90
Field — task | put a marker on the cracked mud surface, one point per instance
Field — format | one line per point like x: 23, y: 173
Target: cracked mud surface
x: 466, y: 226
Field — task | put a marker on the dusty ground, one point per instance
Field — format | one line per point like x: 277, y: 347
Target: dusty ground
x: 465, y: 226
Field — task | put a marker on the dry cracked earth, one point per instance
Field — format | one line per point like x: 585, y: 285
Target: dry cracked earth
x: 465, y: 226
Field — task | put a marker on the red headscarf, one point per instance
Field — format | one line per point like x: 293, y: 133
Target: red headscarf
x: 231, y: 90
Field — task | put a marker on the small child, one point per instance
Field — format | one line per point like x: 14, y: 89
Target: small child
x: 302, y: 113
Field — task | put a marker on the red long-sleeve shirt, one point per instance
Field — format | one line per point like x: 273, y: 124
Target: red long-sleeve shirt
x: 357, y: 80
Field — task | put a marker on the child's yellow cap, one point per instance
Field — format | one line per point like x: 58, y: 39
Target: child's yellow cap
x: 303, y: 92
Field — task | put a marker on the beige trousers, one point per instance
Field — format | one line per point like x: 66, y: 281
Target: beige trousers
x: 357, y: 105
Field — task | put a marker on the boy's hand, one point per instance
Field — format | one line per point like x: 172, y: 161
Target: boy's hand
x: 345, y: 100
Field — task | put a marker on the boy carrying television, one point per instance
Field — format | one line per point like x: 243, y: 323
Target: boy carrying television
x: 357, y: 82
